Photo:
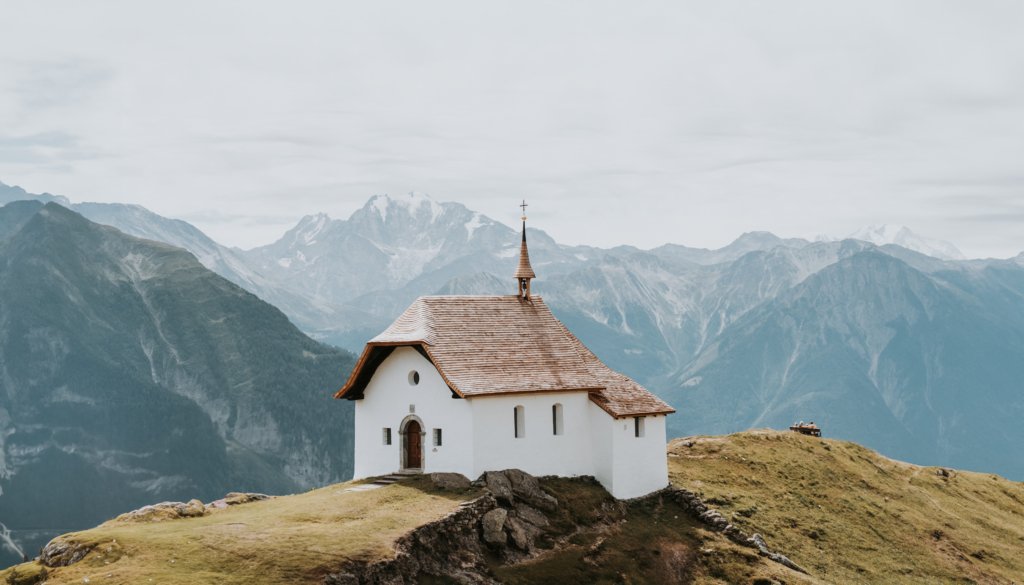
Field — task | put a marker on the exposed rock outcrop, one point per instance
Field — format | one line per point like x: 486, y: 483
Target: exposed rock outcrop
x: 164, y: 511
x: 450, y: 481
x: 236, y: 498
x: 493, y: 525
x: 61, y: 552
x: 506, y: 522
x: 511, y: 484
x: 714, y: 520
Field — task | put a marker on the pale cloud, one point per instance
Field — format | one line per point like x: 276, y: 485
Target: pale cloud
x: 634, y: 123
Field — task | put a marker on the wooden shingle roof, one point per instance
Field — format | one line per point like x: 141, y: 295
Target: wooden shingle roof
x: 487, y: 345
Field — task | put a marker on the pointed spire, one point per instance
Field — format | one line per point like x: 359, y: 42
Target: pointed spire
x: 524, y: 272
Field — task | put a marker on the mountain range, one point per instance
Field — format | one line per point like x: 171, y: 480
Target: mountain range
x: 130, y: 373
x: 885, y: 339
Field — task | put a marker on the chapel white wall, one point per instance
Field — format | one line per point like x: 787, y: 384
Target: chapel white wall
x: 386, y: 403
x: 639, y: 464
x: 539, y: 451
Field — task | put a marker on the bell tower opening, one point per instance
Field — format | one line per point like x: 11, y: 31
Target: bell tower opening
x: 524, y: 272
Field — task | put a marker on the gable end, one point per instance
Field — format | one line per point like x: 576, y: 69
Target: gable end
x: 373, y: 356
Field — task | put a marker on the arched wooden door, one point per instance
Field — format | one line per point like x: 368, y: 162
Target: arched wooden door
x: 413, y: 445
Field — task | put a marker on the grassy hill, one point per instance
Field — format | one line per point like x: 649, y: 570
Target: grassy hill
x: 849, y: 515
x: 290, y: 539
x: 842, y: 512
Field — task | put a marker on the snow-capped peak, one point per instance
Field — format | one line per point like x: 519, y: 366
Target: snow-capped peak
x: 902, y: 236
x: 310, y: 226
x: 380, y: 203
x: 411, y: 202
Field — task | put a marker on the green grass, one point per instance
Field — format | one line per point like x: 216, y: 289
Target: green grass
x: 849, y: 515
x: 289, y: 539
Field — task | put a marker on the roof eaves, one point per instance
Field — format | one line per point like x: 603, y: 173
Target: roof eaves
x: 605, y: 406
x: 589, y: 391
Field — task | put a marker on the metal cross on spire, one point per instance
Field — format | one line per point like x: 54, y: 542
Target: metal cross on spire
x: 524, y: 206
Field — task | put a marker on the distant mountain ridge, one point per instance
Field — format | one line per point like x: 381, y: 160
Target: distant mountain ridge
x: 871, y: 347
x: 9, y: 193
x: 881, y: 235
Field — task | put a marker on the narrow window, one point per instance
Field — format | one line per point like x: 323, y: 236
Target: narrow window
x: 519, y: 420
x: 556, y: 419
x: 638, y: 426
x: 437, y: 437
x: 387, y: 436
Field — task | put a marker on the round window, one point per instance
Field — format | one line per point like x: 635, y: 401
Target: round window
x: 414, y: 378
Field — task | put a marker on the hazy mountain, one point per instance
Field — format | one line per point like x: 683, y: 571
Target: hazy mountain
x: 129, y: 374
x: 368, y: 268
x: 10, y: 193
x: 903, y: 237
x: 746, y: 243
x: 316, y: 318
x: 480, y: 283
x: 647, y: 315
x: 922, y: 366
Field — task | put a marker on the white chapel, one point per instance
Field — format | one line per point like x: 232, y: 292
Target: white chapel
x: 470, y: 384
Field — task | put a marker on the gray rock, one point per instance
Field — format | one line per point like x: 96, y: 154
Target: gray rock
x: 165, y: 511
x: 236, y: 498
x: 493, y: 524
x: 499, y: 486
x: 61, y: 552
x: 450, y: 481
x: 193, y: 509
x: 530, y: 515
x: 527, y: 488
x: 522, y: 536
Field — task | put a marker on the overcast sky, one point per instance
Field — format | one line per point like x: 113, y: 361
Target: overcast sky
x: 620, y: 122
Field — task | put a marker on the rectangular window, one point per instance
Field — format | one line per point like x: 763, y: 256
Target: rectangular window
x: 387, y: 436
x: 519, y: 420
x: 638, y: 426
x: 556, y: 419
x: 437, y: 437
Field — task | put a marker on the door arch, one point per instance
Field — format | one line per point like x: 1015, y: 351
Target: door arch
x: 412, y: 443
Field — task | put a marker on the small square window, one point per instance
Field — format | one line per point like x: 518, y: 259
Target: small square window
x: 437, y: 437
x: 387, y: 436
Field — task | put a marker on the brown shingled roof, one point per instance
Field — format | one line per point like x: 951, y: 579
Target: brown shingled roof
x: 484, y: 345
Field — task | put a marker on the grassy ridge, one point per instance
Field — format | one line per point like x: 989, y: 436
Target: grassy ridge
x: 849, y: 515
x: 843, y: 512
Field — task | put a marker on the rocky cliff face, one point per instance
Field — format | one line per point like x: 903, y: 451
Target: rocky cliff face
x: 130, y: 373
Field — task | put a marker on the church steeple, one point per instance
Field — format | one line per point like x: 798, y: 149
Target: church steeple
x: 524, y: 272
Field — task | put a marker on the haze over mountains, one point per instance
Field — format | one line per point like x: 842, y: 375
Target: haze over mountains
x: 885, y: 339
